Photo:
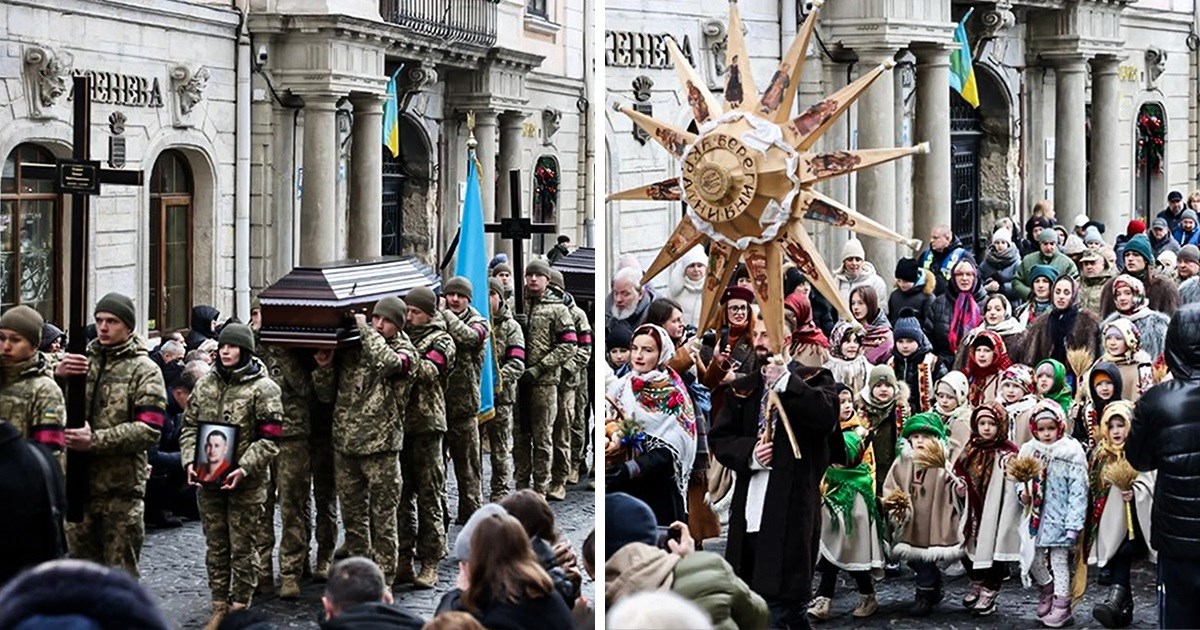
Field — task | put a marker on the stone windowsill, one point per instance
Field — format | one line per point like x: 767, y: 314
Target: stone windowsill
x: 539, y: 24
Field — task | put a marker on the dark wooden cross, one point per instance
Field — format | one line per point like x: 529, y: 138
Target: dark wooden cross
x: 517, y: 229
x: 80, y: 177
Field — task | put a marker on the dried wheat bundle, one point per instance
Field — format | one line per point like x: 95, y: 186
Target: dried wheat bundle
x: 933, y: 455
x: 1122, y: 475
x: 897, y: 504
x: 1024, y: 469
x: 1080, y: 361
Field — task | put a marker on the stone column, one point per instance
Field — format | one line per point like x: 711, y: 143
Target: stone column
x: 365, y: 238
x: 318, y: 206
x: 485, y: 133
x: 1070, y: 139
x: 876, y: 190
x: 1104, y: 202
x: 931, y: 172
x: 510, y: 159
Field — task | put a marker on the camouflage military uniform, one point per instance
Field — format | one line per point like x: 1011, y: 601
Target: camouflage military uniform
x: 248, y: 399
x: 420, y: 513
x: 550, y: 342
x: 470, y: 332
x: 508, y: 349
x: 368, y: 433
x: 31, y: 400
x: 291, y: 472
x: 126, y: 400
x: 577, y: 381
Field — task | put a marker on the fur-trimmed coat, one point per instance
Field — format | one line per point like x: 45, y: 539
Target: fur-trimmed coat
x: 1189, y: 291
x: 1152, y: 329
x: 930, y: 528
x: 1161, y: 295
x: 1035, y: 344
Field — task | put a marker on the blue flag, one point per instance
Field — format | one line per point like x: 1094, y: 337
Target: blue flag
x: 472, y: 264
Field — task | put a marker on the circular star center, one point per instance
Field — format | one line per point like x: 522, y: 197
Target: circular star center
x: 720, y: 177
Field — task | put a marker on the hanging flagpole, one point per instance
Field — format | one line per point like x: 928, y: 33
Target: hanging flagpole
x: 471, y: 263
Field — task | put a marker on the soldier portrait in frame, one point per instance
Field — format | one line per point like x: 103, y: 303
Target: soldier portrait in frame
x: 215, y: 452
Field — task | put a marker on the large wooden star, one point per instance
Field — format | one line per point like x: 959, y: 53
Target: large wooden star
x: 748, y: 177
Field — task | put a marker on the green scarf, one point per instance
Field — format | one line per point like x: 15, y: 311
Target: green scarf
x: 1061, y: 391
x: 842, y: 485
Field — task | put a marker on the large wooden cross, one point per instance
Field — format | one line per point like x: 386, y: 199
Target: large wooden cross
x: 80, y: 177
x: 518, y: 229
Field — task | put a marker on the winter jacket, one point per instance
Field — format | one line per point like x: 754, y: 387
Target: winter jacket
x: 545, y: 557
x: 1091, y: 290
x: 1001, y: 268
x: 203, y: 316
x: 1189, y: 291
x: 702, y: 577
x: 31, y: 494
x: 31, y: 400
x: 545, y: 612
x: 374, y: 616
x: 1173, y: 220
x: 824, y: 315
x: 1166, y: 244
x: 631, y: 321
x: 1022, y: 286
x: 1186, y: 238
x: 1064, y: 492
x: 470, y: 332
x: 919, y: 298
x: 866, y: 277
x: 1165, y: 436
x: 942, y: 263
x: 922, y: 365
x: 941, y: 313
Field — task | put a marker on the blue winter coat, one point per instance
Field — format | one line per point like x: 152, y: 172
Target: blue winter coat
x: 1065, y: 493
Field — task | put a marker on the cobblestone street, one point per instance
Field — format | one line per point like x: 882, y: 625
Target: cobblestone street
x: 173, y: 568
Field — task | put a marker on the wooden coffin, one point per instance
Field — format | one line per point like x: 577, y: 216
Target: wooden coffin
x: 314, y: 307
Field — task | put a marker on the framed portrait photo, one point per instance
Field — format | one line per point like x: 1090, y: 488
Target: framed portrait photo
x: 215, y: 452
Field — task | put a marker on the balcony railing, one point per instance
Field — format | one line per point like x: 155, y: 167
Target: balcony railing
x: 452, y: 21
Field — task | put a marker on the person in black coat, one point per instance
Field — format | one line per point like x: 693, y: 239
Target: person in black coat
x: 773, y: 535
x: 204, y: 325
x: 941, y: 312
x: 34, y: 499
x: 1000, y: 264
x: 914, y: 291
x: 1165, y: 436
x: 356, y: 598
x: 167, y: 489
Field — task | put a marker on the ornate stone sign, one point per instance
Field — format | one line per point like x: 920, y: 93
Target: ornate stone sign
x: 629, y: 49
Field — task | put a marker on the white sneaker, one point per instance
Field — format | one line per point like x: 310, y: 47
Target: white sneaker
x: 821, y: 609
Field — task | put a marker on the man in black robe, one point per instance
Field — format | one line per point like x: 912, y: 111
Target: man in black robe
x: 776, y: 513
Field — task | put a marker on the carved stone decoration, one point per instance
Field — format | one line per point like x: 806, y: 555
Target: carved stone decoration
x: 420, y: 76
x: 551, y: 121
x: 641, y: 88
x: 188, y: 87
x: 116, y: 142
x: 1156, y: 65
x: 716, y: 37
x: 639, y: 134
x: 994, y: 24
x: 47, y: 79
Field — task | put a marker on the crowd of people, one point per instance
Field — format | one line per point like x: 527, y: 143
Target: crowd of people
x: 996, y: 415
x: 213, y: 424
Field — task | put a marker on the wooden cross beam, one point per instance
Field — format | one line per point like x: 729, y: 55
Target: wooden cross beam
x: 80, y: 177
x: 518, y: 229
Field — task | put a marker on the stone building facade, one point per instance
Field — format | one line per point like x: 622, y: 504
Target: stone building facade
x: 1063, y: 86
x: 258, y: 128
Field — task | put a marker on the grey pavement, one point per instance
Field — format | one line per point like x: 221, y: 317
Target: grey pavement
x: 173, y: 569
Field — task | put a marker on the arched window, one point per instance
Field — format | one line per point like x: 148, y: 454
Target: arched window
x: 30, y: 212
x: 546, y: 178
x: 171, y: 193
x: 1149, y: 192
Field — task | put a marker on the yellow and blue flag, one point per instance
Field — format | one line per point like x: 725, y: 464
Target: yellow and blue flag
x: 391, y: 117
x: 962, y: 71
x: 472, y: 263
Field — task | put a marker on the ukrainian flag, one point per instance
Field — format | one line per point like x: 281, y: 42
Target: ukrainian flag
x: 391, y: 117
x: 472, y: 260
x: 962, y: 73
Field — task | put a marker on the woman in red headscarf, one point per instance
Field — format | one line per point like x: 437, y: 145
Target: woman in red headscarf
x: 810, y: 347
x: 986, y: 361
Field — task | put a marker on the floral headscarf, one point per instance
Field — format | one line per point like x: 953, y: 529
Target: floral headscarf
x: 1135, y: 286
x: 666, y: 347
x: 838, y: 335
x: 806, y: 332
x: 978, y: 459
x: 1019, y: 374
x: 1060, y: 391
x: 1133, y: 339
x: 978, y: 376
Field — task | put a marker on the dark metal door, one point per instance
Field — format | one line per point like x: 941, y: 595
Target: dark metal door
x: 966, y: 135
x: 392, y: 207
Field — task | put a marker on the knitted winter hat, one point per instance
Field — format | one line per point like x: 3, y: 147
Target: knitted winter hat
x: 460, y: 285
x: 1188, y: 253
x: 1048, y: 235
x: 537, y: 267
x: 1002, y: 234
x: 392, y: 308
x: 497, y: 260
x: 1135, y: 226
x: 1189, y: 214
x: 929, y: 422
x: 78, y: 594
x: 422, y: 298
x: 237, y: 334
x: 853, y: 249
x: 462, y: 544
x: 907, y: 269
x: 118, y: 305
x: 619, y: 335
x: 1140, y: 245
x: 907, y: 327
x: 1092, y: 235
x: 881, y: 374
x: 556, y: 278
x: 25, y: 322
x: 501, y: 268
x: 1043, y: 271
x: 495, y: 285
x: 627, y: 519
x: 1074, y: 246
x: 792, y: 278
x: 50, y: 334
x: 1167, y: 259
x: 1081, y: 220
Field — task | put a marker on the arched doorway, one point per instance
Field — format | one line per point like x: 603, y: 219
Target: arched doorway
x: 171, y: 202
x: 1149, y: 192
x: 966, y: 134
x: 30, y: 216
x: 406, y: 181
x: 546, y: 181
